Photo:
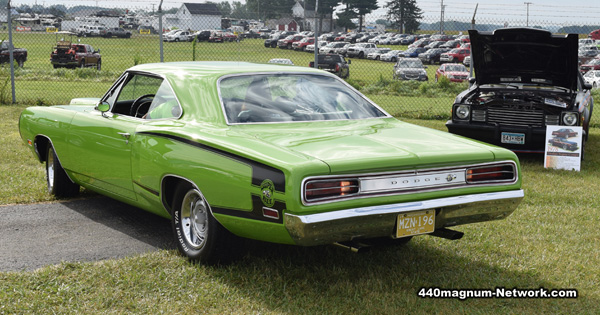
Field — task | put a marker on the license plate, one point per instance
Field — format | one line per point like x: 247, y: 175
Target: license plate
x: 513, y: 138
x: 415, y: 223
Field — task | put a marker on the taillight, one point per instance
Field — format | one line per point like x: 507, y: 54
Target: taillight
x: 492, y: 173
x: 325, y: 189
x: 337, y: 68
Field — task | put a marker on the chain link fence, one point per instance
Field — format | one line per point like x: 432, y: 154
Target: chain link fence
x: 117, y: 39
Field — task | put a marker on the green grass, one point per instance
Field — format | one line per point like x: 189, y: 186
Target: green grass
x: 550, y: 241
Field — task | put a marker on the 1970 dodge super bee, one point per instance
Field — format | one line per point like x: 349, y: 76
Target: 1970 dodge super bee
x: 282, y: 154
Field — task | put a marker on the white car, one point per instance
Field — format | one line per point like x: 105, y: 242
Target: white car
x: 390, y: 55
x: 375, y: 55
x: 311, y: 48
x: 177, y: 36
x: 592, y: 77
x: 331, y: 47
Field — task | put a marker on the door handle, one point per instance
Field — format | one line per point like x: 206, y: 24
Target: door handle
x: 125, y: 135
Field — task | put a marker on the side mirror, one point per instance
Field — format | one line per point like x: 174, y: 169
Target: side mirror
x: 471, y: 80
x: 587, y: 86
x: 103, y: 107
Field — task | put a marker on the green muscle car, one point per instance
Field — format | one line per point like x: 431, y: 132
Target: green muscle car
x: 282, y: 154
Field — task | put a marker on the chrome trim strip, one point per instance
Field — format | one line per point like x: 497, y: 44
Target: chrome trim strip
x: 374, y: 189
x: 378, y: 221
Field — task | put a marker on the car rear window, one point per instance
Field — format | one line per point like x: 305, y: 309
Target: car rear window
x: 277, y: 97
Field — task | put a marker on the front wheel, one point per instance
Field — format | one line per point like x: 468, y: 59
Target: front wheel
x: 199, y: 236
x: 59, y: 184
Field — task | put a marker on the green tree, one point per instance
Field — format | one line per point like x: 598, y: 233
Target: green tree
x: 270, y: 9
x: 361, y: 8
x: 404, y: 15
x: 345, y: 19
x: 225, y: 8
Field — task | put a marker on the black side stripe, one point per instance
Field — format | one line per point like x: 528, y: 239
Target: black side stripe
x: 256, y: 213
x: 260, y: 171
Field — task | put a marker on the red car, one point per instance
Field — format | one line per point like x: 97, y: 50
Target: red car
x: 455, y: 72
x: 455, y: 55
x: 301, y: 45
x: 287, y: 42
x: 592, y: 64
x: 216, y: 37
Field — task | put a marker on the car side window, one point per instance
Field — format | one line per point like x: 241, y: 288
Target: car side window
x: 141, y: 96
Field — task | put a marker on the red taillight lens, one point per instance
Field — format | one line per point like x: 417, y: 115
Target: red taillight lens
x: 492, y: 173
x: 324, y: 189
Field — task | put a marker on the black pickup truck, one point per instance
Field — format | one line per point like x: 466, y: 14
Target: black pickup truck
x: 333, y: 63
x: 19, y: 54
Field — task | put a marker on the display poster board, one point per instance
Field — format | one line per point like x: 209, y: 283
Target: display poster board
x: 563, y: 147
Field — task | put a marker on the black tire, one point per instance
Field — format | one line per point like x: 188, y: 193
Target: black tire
x: 361, y: 55
x: 99, y: 65
x: 59, y: 184
x: 198, y: 235
x: 21, y: 62
x: 82, y: 64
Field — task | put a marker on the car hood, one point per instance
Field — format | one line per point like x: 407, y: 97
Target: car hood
x: 524, y: 55
x: 374, y: 144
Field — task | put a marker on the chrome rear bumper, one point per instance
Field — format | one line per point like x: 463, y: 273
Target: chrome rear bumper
x: 377, y: 221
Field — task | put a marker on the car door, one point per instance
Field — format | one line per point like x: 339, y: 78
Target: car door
x: 102, y: 141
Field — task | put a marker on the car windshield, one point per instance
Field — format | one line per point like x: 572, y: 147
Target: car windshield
x: 456, y: 68
x: 410, y: 63
x: 291, y: 97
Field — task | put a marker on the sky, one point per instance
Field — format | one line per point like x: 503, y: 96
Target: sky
x: 560, y: 12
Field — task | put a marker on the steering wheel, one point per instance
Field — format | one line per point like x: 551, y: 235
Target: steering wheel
x: 138, y: 102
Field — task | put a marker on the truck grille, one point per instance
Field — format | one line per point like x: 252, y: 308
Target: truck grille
x: 516, y: 117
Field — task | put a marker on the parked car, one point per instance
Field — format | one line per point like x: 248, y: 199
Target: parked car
x: 68, y: 55
x: 592, y: 64
x: 410, y: 69
x: 592, y: 78
x: 281, y: 61
x: 564, y: 133
x: 177, y: 36
x: 455, y: 72
x: 563, y: 143
x: 330, y: 48
x: 117, y: 32
x: 91, y: 30
x: 272, y: 41
x: 375, y: 55
x: 455, y: 55
x: 19, y: 54
x: 432, y: 56
x: 216, y: 37
x: 525, y: 80
x: 287, y: 42
x: 275, y: 153
x: 301, y: 45
x: 413, y: 52
x: 391, y: 55
x: 361, y: 50
x: 333, y: 63
x: 201, y: 36
x: 467, y: 61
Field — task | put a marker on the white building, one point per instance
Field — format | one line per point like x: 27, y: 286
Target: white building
x: 194, y: 16
x: 304, y: 12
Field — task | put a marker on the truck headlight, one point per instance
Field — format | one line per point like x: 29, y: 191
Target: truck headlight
x: 462, y: 111
x: 570, y: 118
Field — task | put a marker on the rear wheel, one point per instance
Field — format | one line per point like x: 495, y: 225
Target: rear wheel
x: 199, y: 236
x: 59, y: 184
x: 99, y: 65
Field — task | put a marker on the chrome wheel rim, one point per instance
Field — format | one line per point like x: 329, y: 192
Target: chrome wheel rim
x: 194, y: 219
x: 50, y: 170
